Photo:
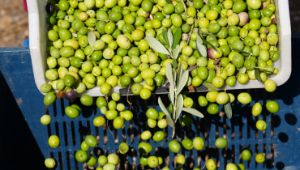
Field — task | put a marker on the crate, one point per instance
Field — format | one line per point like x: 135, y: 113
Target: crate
x: 38, y: 37
x: 280, y: 141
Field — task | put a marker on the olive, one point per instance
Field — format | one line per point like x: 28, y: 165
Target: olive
x: 50, y: 8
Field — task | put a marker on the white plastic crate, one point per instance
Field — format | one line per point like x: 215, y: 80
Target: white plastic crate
x: 38, y: 39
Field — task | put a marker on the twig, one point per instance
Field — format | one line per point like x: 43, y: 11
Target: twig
x: 106, y: 98
x: 109, y: 129
x: 184, y: 6
x: 190, y: 34
x: 191, y: 88
x: 192, y: 68
x: 203, y: 166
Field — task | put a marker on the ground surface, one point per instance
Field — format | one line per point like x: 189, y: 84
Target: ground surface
x: 14, y: 22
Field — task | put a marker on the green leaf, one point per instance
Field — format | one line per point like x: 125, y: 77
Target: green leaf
x: 240, y: 51
x: 175, y: 63
x: 193, y: 112
x: 162, y: 106
x: 174, y: 76
x: 182, y: 81
x: 180, y: 71
x: 210, y: 44
x: 199, y: 39
x: 190, y: 3
x: 257, y: 74
x: 179, y: 104
x: 169, y: 1
x: 176, y: 52
x: 169, y: 73
x: 201, y: 49
x: 164, y: 109
x: 170, y: 38
x: 228, y: 110
x: 177, y: 37
x: 213, y: 36
x: 156, y: 45
x: 209, y: 86
x: 91, y: 39
x: 242, y: 70
x: 172, y: 93
x: 165, y: 37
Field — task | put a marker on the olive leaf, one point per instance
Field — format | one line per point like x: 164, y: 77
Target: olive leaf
x: 240, y: 51
x: 179, y: 104
x: 201, y: 49
x: 175, y: 63
x: 257, y: 74
x: 228, y: 110
x: 174, y: 76
x: 213, y: 36
x: 182, y: 81
x: 169, y: 73
x: 170, y: 38
x: 209, y: 86
x: 193, y: 112
x: 175, y: 52
x: 91, y: 39
x: 199, y: 39
x: 177, y: 37
x: 165, y: 37
x: 156, y: 45
x: 169, y: 1
x: 168, y: 117
x: 190, y: 3
x: 180, y: 71
x: 172, y: 93
x: 242, y: 70
x: 215, y: 48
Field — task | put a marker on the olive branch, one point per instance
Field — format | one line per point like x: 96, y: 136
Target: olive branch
x: 177, y: 80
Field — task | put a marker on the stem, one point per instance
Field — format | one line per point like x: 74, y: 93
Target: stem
x: 184, y: 6
x: 191, y: 88
x: 203, y: 166
x: 261, y: 68
x: 250, y: 55
x: 109, y: 129
x: 106, y: 98
x: 173, y: 133
x: 190, y: 34
x: 192, y: 68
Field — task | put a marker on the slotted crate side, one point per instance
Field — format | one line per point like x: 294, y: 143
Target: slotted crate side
x: 239, y: 131
x: 16, y: 68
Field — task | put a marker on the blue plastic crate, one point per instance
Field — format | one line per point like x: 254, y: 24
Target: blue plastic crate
x: 280, y: 142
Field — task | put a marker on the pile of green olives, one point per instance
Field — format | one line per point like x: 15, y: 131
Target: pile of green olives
x: 112, y: 110
x: 102, y: 43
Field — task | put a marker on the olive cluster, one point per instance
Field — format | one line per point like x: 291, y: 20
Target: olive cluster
x: 102, y: 43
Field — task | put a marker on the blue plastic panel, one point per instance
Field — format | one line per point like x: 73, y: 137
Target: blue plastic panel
x: 280, y: 142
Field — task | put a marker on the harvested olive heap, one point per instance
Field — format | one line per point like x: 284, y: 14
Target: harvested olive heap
x: 139, y: 44
x: 123, y: 43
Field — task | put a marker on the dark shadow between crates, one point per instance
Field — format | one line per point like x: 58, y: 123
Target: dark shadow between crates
x: 14, y: 131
